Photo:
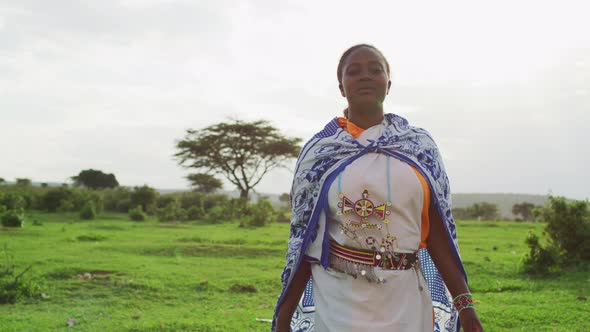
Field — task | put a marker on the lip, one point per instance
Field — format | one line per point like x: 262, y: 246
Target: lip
x: 366, y: 89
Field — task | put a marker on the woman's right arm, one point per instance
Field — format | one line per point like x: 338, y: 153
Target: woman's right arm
x: 292, y: 297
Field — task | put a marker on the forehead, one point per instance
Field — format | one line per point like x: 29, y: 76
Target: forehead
x: 363, y: 55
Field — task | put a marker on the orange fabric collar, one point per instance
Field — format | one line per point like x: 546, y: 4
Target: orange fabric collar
x: 354, y: 130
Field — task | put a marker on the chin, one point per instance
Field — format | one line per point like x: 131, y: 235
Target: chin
x: 369, y: 101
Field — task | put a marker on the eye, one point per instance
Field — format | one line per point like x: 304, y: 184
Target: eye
x: 353, y: 71
x: 377, y: 70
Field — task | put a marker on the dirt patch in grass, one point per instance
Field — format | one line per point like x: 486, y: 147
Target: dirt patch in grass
x: 102, y: 284
x: 173, y: 327
x: 108, y: 227
x: 471, y: 264
x: 234, y: 241
x: 238, y: 288
x: 16, y: 231
x: 91, y: 238
x: 212, y: 250
x: 499, y: 289
x: 272, y: 243
x: 226, y: 250
x: 123, y: 284
x: 72, y: 272
x: 170, y: 226
x: 196, y: 239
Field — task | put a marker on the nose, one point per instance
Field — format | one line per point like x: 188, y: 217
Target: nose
x: 365, y: 75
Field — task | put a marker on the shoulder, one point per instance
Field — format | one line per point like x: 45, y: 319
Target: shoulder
x: 329, y: 130
x: 401, y: 124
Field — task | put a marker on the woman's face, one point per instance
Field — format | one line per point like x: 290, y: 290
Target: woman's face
x: 365, y: 80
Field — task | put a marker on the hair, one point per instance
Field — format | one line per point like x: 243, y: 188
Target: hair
x: 347, y: 53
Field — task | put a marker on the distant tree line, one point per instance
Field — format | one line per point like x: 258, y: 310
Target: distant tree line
x: 489, y: 211
x: 524, y: 211
x: 477, y: 211
x: 95, y: 192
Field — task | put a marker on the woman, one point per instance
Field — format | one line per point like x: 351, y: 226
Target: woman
x: 371, y: 218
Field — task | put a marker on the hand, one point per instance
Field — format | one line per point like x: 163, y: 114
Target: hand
x: 469, y: 320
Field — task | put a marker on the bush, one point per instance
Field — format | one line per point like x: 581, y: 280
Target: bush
x: 164, y: 200
x: 192, y: 199
x: 82, y: 197
x: 15, y: 286
x: 13, y: 201
x: 211, y: 201
x: 216, y: 215
x: 123, y: 205
x: 237, y: 208
x: 117, y: 199
x: 540, y: 259
x: 13, y: 218
x: 54, y: 199
x: 195, y: 213
x: 228, y: 209
x: 70, y: 200
x: 137, y: 214
x: 67, y: 205
x: 260, y: 214
x: 171, y: 212
x: 568, y: 227
x: 567, y: 233
x: 88, y: 212
x: 15, y: 197
x: 144, y: 196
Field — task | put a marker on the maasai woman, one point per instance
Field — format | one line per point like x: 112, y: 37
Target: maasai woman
x: 373, y: 245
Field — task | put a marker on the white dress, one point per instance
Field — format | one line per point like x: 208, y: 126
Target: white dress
x: 402, y: 302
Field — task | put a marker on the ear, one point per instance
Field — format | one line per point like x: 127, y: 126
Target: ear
x: 341, y: 90
x: 388, y: 86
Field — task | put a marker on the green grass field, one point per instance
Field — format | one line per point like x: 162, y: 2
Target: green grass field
x: 154, y: 276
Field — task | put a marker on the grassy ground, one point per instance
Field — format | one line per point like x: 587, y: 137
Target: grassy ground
x: 153, y: 276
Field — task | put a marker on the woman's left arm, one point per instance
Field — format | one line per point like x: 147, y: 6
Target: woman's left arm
x: 444, y: 260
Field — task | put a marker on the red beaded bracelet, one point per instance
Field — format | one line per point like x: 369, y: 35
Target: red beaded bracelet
x: 463, y: 301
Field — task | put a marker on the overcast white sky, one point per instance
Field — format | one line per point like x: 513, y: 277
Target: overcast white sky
x: 503, y: 86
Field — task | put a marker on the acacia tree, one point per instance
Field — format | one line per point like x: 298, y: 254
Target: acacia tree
x: 243, y: 152
x: 483, y: 210
x: 95, y: 179
x: 525, y: 210
x: 204, y: 183
x: 25, y: 182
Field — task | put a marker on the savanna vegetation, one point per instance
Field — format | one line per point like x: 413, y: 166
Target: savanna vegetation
x: 97, y: 256
x: 112, y: 273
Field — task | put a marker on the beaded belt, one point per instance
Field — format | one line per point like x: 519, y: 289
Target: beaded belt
x: 385, y: 260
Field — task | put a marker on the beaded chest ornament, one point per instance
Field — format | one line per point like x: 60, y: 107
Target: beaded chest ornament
x: 371, y: 217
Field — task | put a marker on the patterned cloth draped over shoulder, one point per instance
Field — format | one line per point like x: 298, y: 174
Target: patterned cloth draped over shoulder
x: 322, y: 158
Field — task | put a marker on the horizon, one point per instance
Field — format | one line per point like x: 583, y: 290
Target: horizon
x: 236, y: 191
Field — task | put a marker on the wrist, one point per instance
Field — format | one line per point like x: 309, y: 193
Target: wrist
x: 463, y: 302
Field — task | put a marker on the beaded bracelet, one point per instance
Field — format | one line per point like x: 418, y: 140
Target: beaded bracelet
x: 463, y: 301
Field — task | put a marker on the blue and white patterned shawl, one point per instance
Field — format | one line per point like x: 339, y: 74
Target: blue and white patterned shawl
x: 320, y: 161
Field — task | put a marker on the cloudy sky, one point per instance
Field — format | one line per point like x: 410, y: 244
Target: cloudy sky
x: 503, y: 86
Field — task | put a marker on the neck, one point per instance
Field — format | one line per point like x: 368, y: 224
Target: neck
x: 365, y: 117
